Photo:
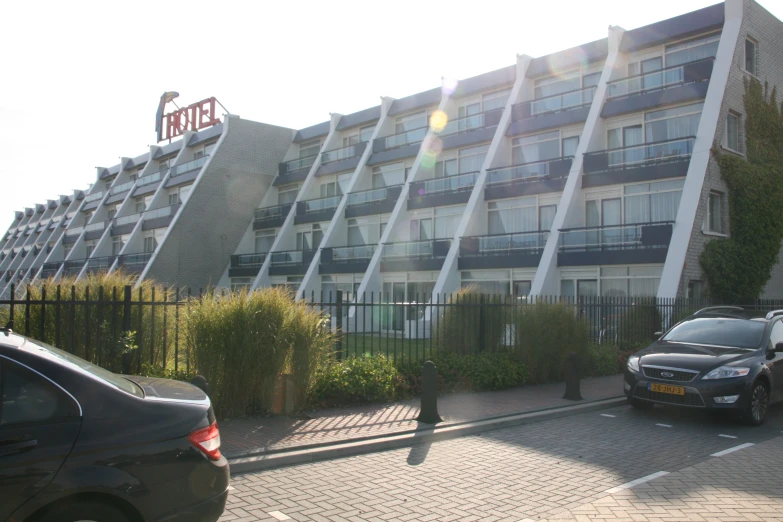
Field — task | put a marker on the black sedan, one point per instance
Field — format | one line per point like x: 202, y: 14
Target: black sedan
x: 720, y: 358
x: 80, y: 443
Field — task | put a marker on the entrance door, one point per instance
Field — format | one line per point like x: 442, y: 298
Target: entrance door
x: 393, y: 315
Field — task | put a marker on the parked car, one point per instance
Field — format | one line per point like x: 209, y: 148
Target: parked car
x: 720, y: 358
x: 78, y: 442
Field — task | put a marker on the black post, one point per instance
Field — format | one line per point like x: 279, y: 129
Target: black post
x: 11, y: 311
x: 43, y: 314
x: 27, y: 313
x: 57, y: 320
x: 429, y: 394
x: 339, y: 313
x: 572, y: 392
x: 126, y: 311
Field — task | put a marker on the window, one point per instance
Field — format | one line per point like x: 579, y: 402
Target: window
x: 184, y: 193
x: 695, y: 290
x: 636, y: 281
x: 495, y: 100
x: 264, y: 240
x: 732, y: 131
x: 140, y: 205
x: 692, y: 50
x: 173, y: 197
x: 539, y: 147
x: 287, y: 194
x: 116, y: 245
x: 776, y: 336
x: 67, y: 249
x: 714, y: 216
x: 471, y: 159
x: 751, y: 57
x: 90, y: 248
x: 410, y: 122
x: 27, y: 397
x: 350, y: 140
x: 513, y: 215
x: 652, y: 202
x: 496, y: 282
x: 366, y: 230
x: 113, y: 211
x: 329, y: 189
x: 365, y: 133
x: 310, y: 148
x: 241, y: 283
x: 670, y: 124
x: 150, y: 244
x: 388, y: 175
x: 309, y: 237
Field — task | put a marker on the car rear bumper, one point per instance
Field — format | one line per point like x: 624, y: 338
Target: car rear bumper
x: 698, y: 393
x: 207, y: 511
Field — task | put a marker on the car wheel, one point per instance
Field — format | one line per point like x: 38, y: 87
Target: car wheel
x: 640, y: 405
x: 85, y: 511
x: 756, y: 410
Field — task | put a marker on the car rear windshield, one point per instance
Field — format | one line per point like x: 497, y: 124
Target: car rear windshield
x: 112, y: 379
x: 736, y: 333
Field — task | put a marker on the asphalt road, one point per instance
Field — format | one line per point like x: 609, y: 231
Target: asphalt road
x: 545, y: 470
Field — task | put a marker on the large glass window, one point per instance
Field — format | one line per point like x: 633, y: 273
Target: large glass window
x: 495, y: 100
x: 388, y: 175
x: 732, y: 131
x: 471, y: 159
x: 714, y: 212
x: 513, y: 216
x: 264, y: 240
x: 366, y: 230
x: 558, y: 84
x: 411, y: 121
x: 750, y: 56
x: 287, y: 194
x: 365, y: 133
x: 670, y: 124
x: 310, y: 148
x: 540, y: 147
x: 636, y: 281
x: 309, y: 238
x: 652, y: 202
x: 692, y: 50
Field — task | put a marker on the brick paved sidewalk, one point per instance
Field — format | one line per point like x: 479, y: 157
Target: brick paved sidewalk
x: 744, y: 485
x: 259, y: 434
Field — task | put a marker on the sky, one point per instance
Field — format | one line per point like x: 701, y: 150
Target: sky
x: 80, y: 81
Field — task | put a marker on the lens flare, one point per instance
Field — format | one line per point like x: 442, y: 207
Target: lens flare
x: 567, y: 61
x: 428, y: 159
x: 438, y: 120
x: 449, y: 85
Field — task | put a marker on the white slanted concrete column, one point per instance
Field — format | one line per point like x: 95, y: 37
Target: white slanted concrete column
x: 570, y: 211
x: 700, y: 157
x: 448, y: 281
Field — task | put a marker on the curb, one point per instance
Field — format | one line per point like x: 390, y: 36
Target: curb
x: 402, y: 440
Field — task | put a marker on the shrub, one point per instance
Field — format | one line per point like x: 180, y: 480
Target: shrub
x: 241, y: 342
x: 544, y: 335
x: 355, y: 379
x: 601, y: 360
x: 470, y: 322
x: 638, y: 322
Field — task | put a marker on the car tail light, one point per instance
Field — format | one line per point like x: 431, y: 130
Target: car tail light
x: 207, y: 441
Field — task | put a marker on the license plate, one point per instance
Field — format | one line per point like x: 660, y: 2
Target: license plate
x: 667, y: 388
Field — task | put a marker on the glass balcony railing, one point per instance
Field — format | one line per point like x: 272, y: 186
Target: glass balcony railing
x: 505, y: 244
x: 346, y: 254
x: 523, y: 172
x: 616, y: 237
x: 184, y: 168
x: 93, y: 197
x: 368, y: 196
x: 74, y: 267
x: 320, y: 204
x: 448, y: 184
x: 122, y: 187
x: 403, y: 138
x: 126, y: 220
x: 100, y: 263
x: 472, y: 122
x: 74, y: 231
x: 563, y: 101
x: 679, y: 149
x: 343, y: 153
x: 248, y: 260
x: 659, y: 79
x: 291, y: 257
x: 151, y: 178
x: 95, y: 226
x: 278, y: 211
x: 299, y: 163
x: 134, y: 260
x: 412, y: 249
x: 161, y: 212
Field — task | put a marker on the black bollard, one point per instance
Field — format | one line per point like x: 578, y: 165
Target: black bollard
x: 572, y: 392
x: 429, y: 394
x: 200, y: 382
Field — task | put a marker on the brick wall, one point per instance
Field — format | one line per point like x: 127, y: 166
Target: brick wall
x: 767, y: 30
x: 217, y: 213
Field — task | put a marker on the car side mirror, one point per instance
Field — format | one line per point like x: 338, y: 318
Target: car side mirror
x: 656, y: 336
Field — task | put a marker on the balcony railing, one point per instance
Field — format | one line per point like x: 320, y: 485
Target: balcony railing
x: 126, y: 220
x: 525, y: 171
x: 343, y: 153
x: 74, y: 231
x: 93, y: 197
x: 291, y: 257
x: 122, y: 187
x: 403, y: 138
x: 505, y: 244
x: 134, y: 260
x: 472, y: 122
x: 320, y: 204
x: 161, y: 212
x: 678, y: 149
x: 412, y: 249
x: 346, y: 254
x: 298, y: 164
x: 267, y: 213
x: 369, y: 196
x: 74, y: 267
x: 616, y: 237
x: 151, y: 178
x: 95, y: 226
x: 100, y: 263
x: 660, y: 79
x: 184, y: 168
x: 562, y: 101
x: 247, y: 260
x: 448, y: 184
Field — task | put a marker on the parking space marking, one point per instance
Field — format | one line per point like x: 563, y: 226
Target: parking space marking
x: 664, y: 425
x: 636, y: 482
x: 279, y: 516
x: 727, y: 436
x: 607, y: 415
x: 732, y: 449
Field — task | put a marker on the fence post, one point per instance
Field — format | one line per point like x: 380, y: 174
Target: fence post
x: 339, y: 314
x: 11, y: 314
x: 57, y: 320
x: 27, y: 313
x: 126, y: 310
x: 481, y: 323
x: 43, y: 314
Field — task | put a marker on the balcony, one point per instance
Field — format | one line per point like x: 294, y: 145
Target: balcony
x: 271, y: 217
x: 555, y: 111
x: 159, y: 218
x: 292, y: 262
x: 341, y: 160
x: 124, y: 225
x: 100, y: 264
x: 73, y: 268
x: 413, y: 256
x: 637, y: 163
x: 133, y: 262
x: 372, y: 202
x: 149, y: 183
x: 72, y: 235
x: 397, y: 146
x: 678, y: 84
x: 470, y: 130
x: 522, y: 249
x: 615, y: 244
x: 190, y: 166
x: 449, y: 190
x: 93, y: 197
x: 294, y: 170
x: 316, y: 210
x: 92, y: 201
x: 94, y: 230
x: 49, y: 270
x: 346, y: 259
x: 122, y: 187
x: 526, y: 179
x: 246, y: 265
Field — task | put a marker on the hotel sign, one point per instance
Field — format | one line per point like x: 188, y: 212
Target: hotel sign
x: 197, y: 116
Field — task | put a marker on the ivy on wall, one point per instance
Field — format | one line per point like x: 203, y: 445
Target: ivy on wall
x: 738, y: 268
